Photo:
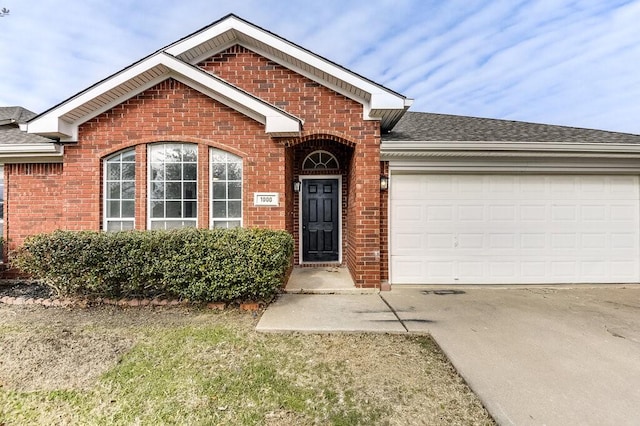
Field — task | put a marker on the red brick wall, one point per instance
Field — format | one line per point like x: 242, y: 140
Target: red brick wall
x: 172, y: 111
x: 71, y: 197
x: 33, y: 202
x: 324, y: 112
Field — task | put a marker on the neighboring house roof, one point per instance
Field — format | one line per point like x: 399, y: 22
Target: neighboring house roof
x: 19, y: 146
x: 179, y: 61
x: 15, y: 115
x: 423, y: 126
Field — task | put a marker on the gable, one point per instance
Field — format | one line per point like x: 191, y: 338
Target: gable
x: 378, y: 102
x: 179, y: 61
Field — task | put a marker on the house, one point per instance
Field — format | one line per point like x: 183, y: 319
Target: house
x: 236, y: 126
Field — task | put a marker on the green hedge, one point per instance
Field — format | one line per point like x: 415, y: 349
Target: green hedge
x: 193, y: 264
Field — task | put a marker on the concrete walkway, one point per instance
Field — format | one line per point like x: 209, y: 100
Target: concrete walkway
x: 534, y: 356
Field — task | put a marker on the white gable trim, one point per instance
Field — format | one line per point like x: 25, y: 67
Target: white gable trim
x: 63, y: 120
x: 379, y: 103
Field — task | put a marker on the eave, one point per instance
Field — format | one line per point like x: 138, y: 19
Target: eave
x: 63, y: 121
x: 30, y: 153
x: 397, y: 150
x: 379, y: 103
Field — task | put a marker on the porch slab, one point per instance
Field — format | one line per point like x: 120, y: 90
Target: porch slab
x: 324, y: 280
x: 317, y: 313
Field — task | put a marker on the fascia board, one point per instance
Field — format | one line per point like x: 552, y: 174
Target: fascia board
x: 31, y: 153
x: 51, y: 123
x: 379, y: 96
x: 408, y: 147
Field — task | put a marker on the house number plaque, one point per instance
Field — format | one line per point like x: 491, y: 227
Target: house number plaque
x: 265, y: 199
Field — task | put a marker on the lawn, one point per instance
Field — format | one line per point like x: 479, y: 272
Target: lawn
x: 152, y: 366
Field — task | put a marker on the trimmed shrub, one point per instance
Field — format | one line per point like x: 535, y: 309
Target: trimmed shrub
x: 193, y: 264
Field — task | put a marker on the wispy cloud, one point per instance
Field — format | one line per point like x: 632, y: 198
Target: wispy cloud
x: 554, y: 61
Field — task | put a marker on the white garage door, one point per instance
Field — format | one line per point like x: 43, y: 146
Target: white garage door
x: 514, y: 229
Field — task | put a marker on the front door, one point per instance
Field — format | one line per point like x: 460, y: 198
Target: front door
x: 320, y: 225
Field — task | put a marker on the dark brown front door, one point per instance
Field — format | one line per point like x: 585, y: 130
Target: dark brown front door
x: 320, y: 220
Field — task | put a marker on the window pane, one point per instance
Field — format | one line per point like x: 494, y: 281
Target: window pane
x: 157, y: 191
x: 113, y: 190
x: 190, y: 171
x: 219, y: 171
x: 127, y: 225
x: 174, y: 209
x: 113, y: 209
x: 128, y: 171
x: 113, y: 171
x: 235, y: 209
x: 235, y: 171
x: 219, y: 190
x: 172, y: 153
x: 157, y: 171
x: 219, y: 209
x: 159, y: 224
x: 129, y: 155
x: 218, y: 156
x: 114, y: 226
x: 128, y: 209
x: 174, y: 190
x: 190, y: 153
x: 157, y: 209
x: 190, y: 209
x: 174, y: 171
x: 156, y: 153
x: 235, y: 190
x: 189, y: 192
x: 128, y: 190
x: 233, y: 223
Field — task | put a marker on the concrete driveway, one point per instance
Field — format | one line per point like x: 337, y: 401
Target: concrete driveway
x: 537, y: 356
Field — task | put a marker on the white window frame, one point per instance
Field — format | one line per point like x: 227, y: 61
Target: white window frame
x: 212, y: 220
x: 323, y: 164
x: 150, y: 219
x: 105, y: 183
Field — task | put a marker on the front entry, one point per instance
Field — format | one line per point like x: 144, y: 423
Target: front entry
x: 320, y: 224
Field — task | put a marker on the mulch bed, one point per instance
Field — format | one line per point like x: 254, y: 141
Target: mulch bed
x: 24, y: 292
x: 26, y: 289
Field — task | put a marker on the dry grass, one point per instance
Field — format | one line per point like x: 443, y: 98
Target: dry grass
x: 187, y: 366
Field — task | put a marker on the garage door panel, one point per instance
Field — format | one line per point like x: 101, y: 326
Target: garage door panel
x: 515, y: 229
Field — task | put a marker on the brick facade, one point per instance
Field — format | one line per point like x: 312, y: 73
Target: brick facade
x: 41, y: 198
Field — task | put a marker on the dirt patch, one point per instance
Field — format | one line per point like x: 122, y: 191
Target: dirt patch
x: 58, y: 358
x: 55, y: 348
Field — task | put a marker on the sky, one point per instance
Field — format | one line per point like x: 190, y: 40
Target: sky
x: 565, y: 62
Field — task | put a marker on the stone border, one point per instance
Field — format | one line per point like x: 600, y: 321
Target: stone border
x: 85, y: 303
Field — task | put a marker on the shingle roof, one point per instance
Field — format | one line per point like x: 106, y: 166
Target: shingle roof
x: 422, y: 126
x: 15, y: 114
x: 10, y: 133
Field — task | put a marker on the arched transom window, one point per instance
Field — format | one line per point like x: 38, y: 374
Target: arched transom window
x: 320, y: 160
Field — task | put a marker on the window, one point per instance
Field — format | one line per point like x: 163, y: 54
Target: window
x: 173, y: 186
x: 119, y: 191
x: 226, y: 189
x: 320, y: 160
